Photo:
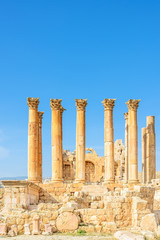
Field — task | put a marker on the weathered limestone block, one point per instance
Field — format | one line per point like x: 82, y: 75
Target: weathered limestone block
x: 126, y: 235
x: 109, y: 227
x: 54, y: 215
x: 45, y: 219
x: 20, y: 221
x: 158, y: 231
x: 20, y: 194
x: 73, y: 205
x: 138, y: 204
x: 49, y: 229
x: 15, y: 229
x: 139, y: 209
x: 3, y: 229
x: 13, y: 232
x: 145, y: 193
x: 94, y: 205
x: 67, y: 221
x: 149, y: 235
x: 65, y: 209
x: 98, y: 228
x: 48, y: 206
x: 149, y: 222
x: 88, y: 229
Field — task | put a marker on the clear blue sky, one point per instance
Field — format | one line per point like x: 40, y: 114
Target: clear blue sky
x: 75, y: 49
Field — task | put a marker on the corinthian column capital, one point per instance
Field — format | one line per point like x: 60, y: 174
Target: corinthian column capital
x: 81, y: 104
x: 133, y: 104
x: 126, y: 116
x: 62, y: 109
x: 40, y: 115
x: 108, y: 103
x: 33, y: 102
x: 55, y: 104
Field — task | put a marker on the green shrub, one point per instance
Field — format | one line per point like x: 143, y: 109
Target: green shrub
x: 81, y: 232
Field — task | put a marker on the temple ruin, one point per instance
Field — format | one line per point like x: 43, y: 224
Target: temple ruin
x: 86, y: 192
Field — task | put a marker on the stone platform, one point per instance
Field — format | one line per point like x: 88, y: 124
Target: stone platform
x: 90, y: 208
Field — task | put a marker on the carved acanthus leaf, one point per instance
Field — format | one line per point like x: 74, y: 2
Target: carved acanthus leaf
x: 55, y: 104
x: 33, y: 102
x: 81, y: 104
x: 133, y: 104
x: 126, y: 115
x: 108, y: 103
x: 40, y: 115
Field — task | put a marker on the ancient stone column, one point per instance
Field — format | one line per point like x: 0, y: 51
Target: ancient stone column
x: 33, y: 140
x: 80, y: 140
x: 143, y: 155
x: 150, y: 149
x: 36, y: 227
x: 133, y: 140
x: 61, y: 138
x: 109, y: 174
x: 27, y: 229
x: 40, y: 116
x: 56, y: 140
x: 126, y: 146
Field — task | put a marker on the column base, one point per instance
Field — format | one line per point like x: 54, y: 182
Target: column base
x: 34, y: 181
x: 57, y: 180
x: 133, y: 181
x: 36, y: 233
x: 110, y: 181
x: 79, y: 181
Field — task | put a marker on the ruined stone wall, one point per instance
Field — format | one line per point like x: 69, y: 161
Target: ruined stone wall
x: 119, y: 157
x: 94, y: 164
x: 105, y: 212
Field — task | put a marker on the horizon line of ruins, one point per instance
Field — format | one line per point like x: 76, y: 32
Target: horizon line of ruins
x: 131, y: 143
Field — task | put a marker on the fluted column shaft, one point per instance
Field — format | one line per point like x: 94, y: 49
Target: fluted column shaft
x: 108, y: 140
x: 143, y: 155
x: 33, y: 139
x: 133, y: 140
x: 150, y: 149
x: 80, y: 140
x: 56, y: 140
x: 40, y: 116
x: 126, y: 146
